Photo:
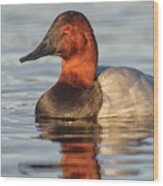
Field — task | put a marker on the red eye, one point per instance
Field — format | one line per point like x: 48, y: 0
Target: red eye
x: 67, y: 28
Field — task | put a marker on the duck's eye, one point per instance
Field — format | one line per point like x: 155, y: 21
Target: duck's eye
x: 67, y: 28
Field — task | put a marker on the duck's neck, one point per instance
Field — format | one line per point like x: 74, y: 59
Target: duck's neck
x: 79, y: 71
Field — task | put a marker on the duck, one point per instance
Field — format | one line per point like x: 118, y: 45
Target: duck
x: 79, y: 93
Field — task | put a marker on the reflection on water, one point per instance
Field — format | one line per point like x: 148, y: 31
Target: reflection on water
x: 94, y: 150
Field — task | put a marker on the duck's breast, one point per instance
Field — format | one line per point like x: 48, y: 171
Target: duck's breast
x: 126, y: 93
x: 65, y: 102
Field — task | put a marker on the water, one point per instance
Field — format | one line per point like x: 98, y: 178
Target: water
x: 107, y: 149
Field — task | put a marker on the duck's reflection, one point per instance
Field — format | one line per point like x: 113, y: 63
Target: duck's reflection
x: 78, y: 144
x: 96, y: 150
x: 79, y: 160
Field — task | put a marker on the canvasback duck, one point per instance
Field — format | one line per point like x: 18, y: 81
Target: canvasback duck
x: 78, y: 94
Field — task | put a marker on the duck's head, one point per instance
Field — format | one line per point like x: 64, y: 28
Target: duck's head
x: 68, y: 36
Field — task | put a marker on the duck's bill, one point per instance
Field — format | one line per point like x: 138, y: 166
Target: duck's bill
x: 43, y: 49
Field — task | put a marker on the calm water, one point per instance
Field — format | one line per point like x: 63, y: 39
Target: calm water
x: 108, y: 149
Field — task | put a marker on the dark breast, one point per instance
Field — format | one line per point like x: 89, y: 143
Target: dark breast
x: 65, y: 102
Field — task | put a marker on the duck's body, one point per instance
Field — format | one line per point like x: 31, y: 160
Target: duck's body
x: 117, y: 92
x: 78, y: 94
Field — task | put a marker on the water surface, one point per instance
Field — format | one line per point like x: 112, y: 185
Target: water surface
x: 107, y: 149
